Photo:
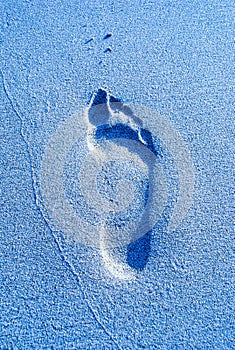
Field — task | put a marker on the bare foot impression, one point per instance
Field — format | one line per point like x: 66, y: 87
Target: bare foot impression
x: 118, y: 185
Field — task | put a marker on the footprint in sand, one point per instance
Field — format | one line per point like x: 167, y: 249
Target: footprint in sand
x: 121, y: 185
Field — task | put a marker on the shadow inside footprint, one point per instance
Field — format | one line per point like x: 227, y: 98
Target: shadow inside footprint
x: 138, y: 252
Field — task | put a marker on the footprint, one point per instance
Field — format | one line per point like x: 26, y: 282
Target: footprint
x: 114, y: 120
x: 128, y: 201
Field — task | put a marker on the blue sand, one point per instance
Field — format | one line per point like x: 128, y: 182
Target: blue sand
x: 172, y: 56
